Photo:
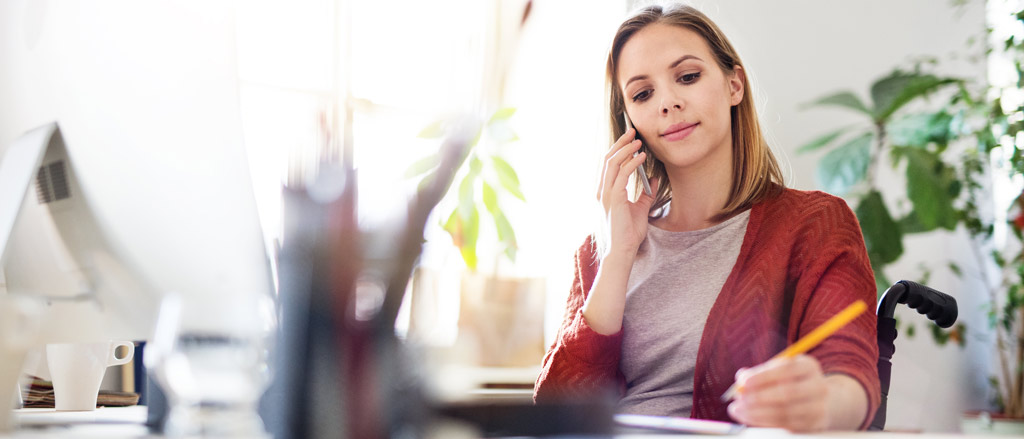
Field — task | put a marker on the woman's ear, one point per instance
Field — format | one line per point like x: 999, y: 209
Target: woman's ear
x: 737, y: 82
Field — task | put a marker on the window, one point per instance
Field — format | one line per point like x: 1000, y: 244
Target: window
x: 412, y: 62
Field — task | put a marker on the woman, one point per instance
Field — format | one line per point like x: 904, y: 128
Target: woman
x: 700, y: 283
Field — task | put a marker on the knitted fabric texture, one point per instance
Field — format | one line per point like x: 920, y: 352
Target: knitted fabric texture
x: 802, y: 261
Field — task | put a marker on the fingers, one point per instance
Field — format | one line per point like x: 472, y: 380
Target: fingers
x: 800, y: 417
x: 621, y: 160
x: 784, y: 392
x: 648, y: 200
x: 789, y: 393
x: 778, y: 370
x: 628, y: 167
x: 625, y: 139
x: 621, y: 175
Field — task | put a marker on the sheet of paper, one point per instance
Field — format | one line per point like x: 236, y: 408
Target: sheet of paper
x: 682, y: 425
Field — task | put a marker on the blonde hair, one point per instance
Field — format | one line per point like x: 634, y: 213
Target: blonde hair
x: 756, y: 175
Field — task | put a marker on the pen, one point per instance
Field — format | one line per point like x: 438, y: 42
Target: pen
x: 811, y: 340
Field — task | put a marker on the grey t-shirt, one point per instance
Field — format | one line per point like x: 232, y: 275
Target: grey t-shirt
x: 675, y: 279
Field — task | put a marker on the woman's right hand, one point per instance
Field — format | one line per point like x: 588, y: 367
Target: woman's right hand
x: 625, y: 221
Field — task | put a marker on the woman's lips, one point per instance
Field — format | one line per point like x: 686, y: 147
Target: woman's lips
x: 679, y: 131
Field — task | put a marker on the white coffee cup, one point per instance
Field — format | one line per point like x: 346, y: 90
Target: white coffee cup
x: 19, y: 326
x: 77, y: 369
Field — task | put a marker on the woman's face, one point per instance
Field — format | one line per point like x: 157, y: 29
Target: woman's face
x: 677, y: 96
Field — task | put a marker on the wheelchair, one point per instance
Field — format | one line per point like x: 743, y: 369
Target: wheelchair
x: 937, y: 306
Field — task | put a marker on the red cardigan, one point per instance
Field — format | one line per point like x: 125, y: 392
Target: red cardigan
x: 802, y: 260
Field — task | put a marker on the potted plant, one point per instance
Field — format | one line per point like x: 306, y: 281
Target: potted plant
x: 500, y: 314
x: 497, y: 311
x: 919, y: 141
x: 486, y: 179
x: 946, y: 188
x: 850, y: 167
x: 998, y: 113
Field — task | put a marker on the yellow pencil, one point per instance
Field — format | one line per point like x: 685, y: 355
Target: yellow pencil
x: 811, y: 340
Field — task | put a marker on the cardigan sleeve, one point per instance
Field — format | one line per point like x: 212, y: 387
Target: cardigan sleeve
x: 839, y: 275
x: 581, y: 362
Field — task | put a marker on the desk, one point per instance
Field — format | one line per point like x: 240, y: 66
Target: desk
x: 106, y: 422
x: 128, y: 422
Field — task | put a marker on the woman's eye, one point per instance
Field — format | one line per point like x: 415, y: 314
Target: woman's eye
x: 642, y: 96
x: 689, y: 78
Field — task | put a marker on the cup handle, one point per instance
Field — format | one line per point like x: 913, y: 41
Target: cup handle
x: 112, y: 360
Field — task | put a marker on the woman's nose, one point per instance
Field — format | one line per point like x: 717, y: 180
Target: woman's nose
x: 671, y: 103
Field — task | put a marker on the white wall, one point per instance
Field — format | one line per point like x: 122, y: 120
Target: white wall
x: 801, y: 50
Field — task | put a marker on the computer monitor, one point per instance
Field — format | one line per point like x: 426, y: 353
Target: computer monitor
x: 137, y: 106
x: 52, y: 248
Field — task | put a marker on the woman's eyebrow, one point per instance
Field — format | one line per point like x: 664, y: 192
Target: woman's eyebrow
x: 671, y: 66
x: 681, y: 59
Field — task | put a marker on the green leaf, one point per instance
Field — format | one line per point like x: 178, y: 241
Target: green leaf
x: 998, y: 258
x: 894, y: 91
x: 475, y: 165
x: 846, y: 165
x: 882, y: 281
x: 882, y: 236
x: 843, y: 99
x: 490, y: 198
x: 451, y: 225
x: 507, y: 177
x: 426, y: 181
x: 464, y: 235
x: 965, y: 94
x: 498, y: 129
x: 955, y: 269
x: 506, y: 234
x: 466, y: 202
x: 433, y: 131
x: 821, y: 141
x: 422, y: 166
x: 928, y: 188
x: 470, y: 232
x: 501, y: 115
x: 960, y: 333
x: 911, y: 224
x: 921, y: 129
x: 941, y: 337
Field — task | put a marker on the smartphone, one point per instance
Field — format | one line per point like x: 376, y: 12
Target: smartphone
x: 641, y: 174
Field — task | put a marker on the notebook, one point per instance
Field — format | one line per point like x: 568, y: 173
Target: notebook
x: 674, y: 424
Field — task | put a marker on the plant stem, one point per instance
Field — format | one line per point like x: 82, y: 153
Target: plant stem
x: 879, y: 145
x: 1007, y: 387
x: 1019, y: 390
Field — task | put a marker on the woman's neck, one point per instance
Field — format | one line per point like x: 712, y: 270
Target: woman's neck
x: 698, y: 194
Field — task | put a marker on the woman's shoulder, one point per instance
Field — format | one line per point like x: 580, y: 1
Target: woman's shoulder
x: 812, y: 217
x: 796, y: 206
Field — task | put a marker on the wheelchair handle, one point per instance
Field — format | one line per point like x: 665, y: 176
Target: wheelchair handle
x: 938, y: 306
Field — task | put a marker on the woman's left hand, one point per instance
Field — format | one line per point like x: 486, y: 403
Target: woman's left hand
x: 789, y: 393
